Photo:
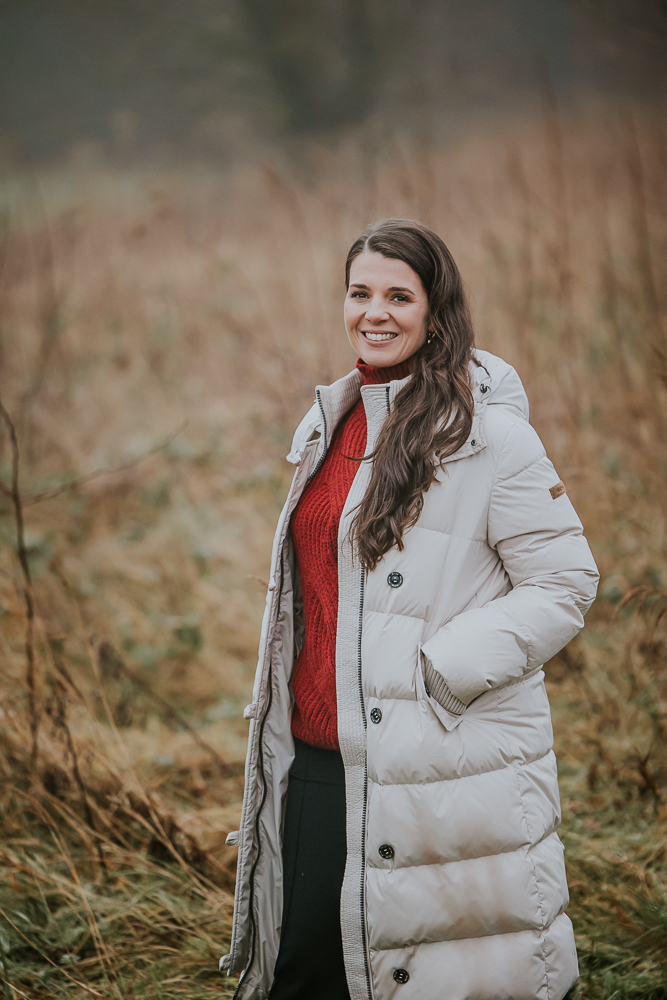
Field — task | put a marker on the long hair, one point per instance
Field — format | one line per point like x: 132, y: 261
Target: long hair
x: 432, y: 414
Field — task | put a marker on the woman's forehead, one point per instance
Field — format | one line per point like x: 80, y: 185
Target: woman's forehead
x: 370, y: 268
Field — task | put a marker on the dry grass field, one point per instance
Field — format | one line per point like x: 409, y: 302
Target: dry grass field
x: 161, y: 334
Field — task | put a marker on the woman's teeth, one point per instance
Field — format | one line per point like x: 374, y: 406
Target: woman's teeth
x: 379, y: 336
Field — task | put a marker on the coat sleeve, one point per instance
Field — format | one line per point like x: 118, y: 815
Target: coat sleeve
x: 534, y: 529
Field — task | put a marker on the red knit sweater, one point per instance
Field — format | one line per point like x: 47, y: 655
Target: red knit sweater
x: 315, y: 536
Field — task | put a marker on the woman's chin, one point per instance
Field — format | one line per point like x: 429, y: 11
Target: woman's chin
x: 381, y: 354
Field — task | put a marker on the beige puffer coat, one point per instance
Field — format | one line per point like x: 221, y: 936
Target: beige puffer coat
x: 455, y: 884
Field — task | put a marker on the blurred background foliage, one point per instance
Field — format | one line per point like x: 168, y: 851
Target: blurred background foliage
x: 180, y: 184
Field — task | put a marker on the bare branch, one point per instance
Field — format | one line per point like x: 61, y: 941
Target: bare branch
x: 22, y: 554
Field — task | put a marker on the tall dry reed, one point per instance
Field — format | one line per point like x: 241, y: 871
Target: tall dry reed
x: 161, y: 334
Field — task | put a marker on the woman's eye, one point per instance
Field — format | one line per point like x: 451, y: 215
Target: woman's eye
x: 358, y: 295
x: 401, y: 298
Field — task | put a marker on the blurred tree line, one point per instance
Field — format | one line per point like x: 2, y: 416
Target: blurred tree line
x: 208, y: 76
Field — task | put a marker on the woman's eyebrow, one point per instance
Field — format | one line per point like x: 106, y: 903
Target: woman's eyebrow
x: 394, y: 288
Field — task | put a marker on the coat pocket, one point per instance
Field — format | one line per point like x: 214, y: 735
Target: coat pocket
x: 450, y: 720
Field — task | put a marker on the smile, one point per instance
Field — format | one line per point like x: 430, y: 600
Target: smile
x: 379, y: 336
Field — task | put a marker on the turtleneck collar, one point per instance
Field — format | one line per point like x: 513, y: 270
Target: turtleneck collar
x: 379, y: 376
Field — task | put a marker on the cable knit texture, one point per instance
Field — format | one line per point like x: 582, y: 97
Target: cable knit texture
x: 315, y: 536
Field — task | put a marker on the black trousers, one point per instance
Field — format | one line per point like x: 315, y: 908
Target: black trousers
x: 310, y: 958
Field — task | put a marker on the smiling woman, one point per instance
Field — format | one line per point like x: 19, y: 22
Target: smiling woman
x: 386, y: 309
x: 401, y: 802
x: 402, y: 260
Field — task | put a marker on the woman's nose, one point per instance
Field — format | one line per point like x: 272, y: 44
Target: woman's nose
x: 376, y: 311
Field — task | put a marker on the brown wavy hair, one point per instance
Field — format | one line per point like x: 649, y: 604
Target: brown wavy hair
x: 432, y: 415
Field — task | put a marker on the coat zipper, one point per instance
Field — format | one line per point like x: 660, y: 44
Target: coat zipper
x: 362, y: 896
x: 256, y: 861
x: 260, y: 751
x: 362, y: 887
x: 318, y: 464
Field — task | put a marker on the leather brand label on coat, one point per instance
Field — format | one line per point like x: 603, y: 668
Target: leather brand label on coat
x: 557, y: 490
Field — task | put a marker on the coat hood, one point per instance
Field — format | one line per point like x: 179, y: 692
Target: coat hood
x: 504, y: 382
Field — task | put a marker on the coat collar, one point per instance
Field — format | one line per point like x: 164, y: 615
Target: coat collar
x: 335, y: 400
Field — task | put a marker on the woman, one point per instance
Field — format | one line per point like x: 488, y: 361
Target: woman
x: 411, y: 851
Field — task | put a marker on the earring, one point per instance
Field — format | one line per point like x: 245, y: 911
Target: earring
x: 430, y: 336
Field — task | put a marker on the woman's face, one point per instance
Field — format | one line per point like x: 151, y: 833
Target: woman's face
x: 385, y: 310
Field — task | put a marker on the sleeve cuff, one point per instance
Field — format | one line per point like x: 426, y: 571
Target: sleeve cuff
x: 438, y: 689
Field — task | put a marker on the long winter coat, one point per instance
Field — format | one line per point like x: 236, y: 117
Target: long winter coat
x: 455, y: 884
